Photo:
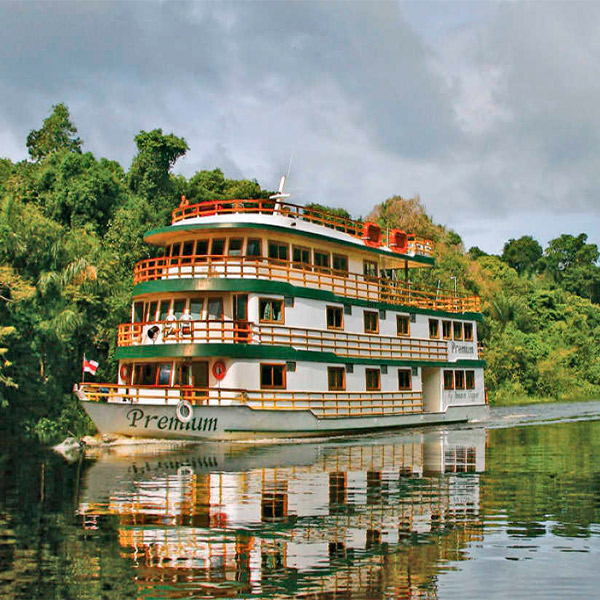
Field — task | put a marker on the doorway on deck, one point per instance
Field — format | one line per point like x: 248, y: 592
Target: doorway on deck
x: 432, y: 389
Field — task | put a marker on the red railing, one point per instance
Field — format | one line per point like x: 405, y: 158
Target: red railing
x: 317, y: 340
x: 350, y: 285
x: 416, y: 244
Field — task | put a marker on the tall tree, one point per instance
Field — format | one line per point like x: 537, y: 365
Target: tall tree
x: 150, y: 172
x: 523, y: 254
x: 57, y: 133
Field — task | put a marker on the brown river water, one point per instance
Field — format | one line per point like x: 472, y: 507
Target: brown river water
x: 507, y: 508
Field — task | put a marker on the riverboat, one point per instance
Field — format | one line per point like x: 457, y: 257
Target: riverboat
x: 265, y: 318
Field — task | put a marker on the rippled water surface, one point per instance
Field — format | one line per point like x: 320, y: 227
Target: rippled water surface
x: 509, y: 508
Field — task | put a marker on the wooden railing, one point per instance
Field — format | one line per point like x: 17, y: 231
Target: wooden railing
x: 416, y: 244
x: 316, y: 340
x: 322, y: 404
x: 349, y: 285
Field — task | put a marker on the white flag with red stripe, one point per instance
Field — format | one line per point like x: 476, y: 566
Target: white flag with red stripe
x: 89, y: 366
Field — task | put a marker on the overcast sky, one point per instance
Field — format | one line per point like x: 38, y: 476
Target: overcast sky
x: 490, y: 111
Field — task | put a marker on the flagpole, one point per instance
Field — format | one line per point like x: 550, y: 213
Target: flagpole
x: 83, y: 369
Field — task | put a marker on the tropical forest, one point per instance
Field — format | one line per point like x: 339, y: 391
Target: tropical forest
x: 72, y: 227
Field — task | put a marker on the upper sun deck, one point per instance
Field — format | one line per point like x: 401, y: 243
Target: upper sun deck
x: 301, y: 219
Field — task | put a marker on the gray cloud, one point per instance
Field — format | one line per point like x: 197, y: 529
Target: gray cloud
x: 488, y: 111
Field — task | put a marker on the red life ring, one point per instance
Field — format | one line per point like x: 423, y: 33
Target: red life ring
x: 371, y: 234
x: 218, y: 370
x: 125, y: 372
x: 221, y: 520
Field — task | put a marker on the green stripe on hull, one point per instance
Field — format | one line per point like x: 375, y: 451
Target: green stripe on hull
x: 282, y: 288
x: 256, y: 351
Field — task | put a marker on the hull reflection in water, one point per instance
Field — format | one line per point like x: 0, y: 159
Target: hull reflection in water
x: 367, y: 519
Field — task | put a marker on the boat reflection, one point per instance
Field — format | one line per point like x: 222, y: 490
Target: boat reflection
x: 378, y: 517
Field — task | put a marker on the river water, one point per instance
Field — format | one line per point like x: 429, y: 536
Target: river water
x: 509, y: 508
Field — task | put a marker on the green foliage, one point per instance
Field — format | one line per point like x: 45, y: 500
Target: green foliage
x: 57, y: 133
x: 212, y: 185
x: 523, y: 254
x: 150, y: 172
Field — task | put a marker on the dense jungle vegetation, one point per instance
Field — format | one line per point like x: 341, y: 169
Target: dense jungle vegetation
x: 71, y: 229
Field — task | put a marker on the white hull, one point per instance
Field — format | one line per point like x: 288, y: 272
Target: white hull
x: 242, y: 422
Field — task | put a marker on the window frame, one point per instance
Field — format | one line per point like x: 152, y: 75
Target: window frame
x: 370, y: 388
x: 341, y: 312
x: 371, y: 313
x: 344, y: 260
x: 240, y: 252
x: 279, y: 246
x: 301, y: 264
x: 406, y: 320
x: 272, y: 301
x: 449, y: 325
x: 459, y: 379
x: 366, y: 270
x: 448, y: 373
x: 408, y: 372
x: 469, y: 374
x: 272, y: 366
x: 457, y: 326
x: 468, y: 337
x: 260, y: 246
x: 325, y: 268
x: 208, y: 315
x: 337, y: 370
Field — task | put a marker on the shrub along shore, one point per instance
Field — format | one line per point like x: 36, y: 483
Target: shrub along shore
x: 71, y: 230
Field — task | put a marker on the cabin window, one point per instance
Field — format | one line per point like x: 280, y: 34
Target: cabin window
x: 370, y: 268
x: 217, y: 247
x: 235, y: 246
x: 164, y: 308
x: 164, y: 374
x: 458, y: 330
x: 373, y: 380
x: 179, y: 307
x: 300, y: 257
x: 201, y: 250
x: 215, y: 309
x: 371, y: 321
x: 468, y: 328
x: 272, y: 376
x: 196, y: 306
x: 144, y: 374
x: 340, y: 264
x: 335, y: 317
x: 402, y: 325
x: 322, y: 261
x: 404, y: 379
x: 448, y: 380
x: 336, y: 379
x: 183, y: 374
x: 447, y: 330
x: 175, y: 250
x: 151, y: 315
x: 470, y: 380
x: 187, y: 251
x: 434, y: 328
x: 270, y: 310
x: 278, y: 251
x: 459, y: 380
x: 138, y: 312
x: 254, y: 247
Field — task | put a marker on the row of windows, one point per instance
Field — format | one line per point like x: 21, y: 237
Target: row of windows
x: 459, y: 380
x: 271, y: 310
x: 273, y: 376
x: 194, y: 309
x: 451, y: 330
x: 301, y: 257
